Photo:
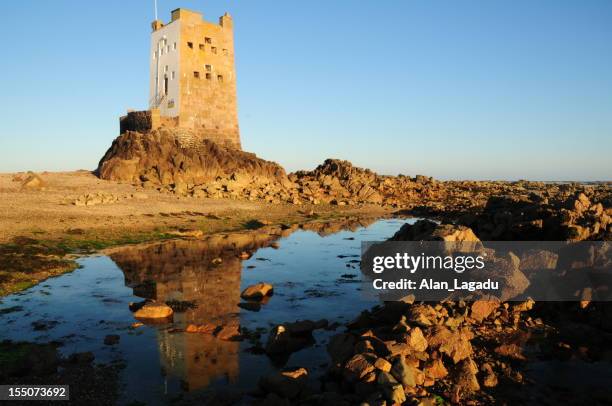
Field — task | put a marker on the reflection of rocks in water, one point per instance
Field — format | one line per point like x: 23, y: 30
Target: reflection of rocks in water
x: 204, y: 275
x: 332, y: 227
x: 188, y: 271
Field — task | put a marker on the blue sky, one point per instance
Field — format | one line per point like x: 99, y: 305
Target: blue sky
x: 451, y: 89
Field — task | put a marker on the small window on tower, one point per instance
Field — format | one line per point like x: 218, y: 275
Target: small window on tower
x: 196, y: 75
x: 208, y: 76
x: 208, y: 40
x: 190, y: 45
x: 225, y: 52
x: 173, y: 75
x: 208, y: 68
x: 174, y: 46
x: 213, y: 49
x: 166, y: 68
x: 201, y: 47
x: 220, y: 78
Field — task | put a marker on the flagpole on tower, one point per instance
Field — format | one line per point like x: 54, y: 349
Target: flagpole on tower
x: 155, y: 2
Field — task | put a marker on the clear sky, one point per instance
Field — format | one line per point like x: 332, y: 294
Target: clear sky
x: 452, y: 89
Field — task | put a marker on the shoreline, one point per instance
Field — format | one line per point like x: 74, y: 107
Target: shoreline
x: 27, y: 261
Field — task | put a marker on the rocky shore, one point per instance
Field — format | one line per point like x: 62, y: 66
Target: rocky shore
x: 450, y: 352
x: 509, y: 209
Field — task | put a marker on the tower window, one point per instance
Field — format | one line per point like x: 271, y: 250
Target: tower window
x: 208, y: 76
x: 208, y: 68
x: 173, y: 75
x: 196, y: 75
x: 208, y: 40
x: 213, y: 49
x: 201, y: 47
x: 220, y: 78
x: 166, y: 68
x: 174, y: 46
x: 225, y: 52
x: 190, y: 45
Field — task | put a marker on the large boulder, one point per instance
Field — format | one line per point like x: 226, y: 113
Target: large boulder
x: 161, y: 157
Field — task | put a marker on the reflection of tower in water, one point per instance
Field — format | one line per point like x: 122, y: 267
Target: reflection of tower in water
x: 183, y: 270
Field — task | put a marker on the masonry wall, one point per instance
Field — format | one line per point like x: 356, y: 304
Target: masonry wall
x: 206, y: 79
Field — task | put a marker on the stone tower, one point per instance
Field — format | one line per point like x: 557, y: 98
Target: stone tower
x: 193, y: 78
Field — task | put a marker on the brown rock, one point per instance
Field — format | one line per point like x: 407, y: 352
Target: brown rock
x: 257, y: 291
x: 359, y: 366
x: 481, y: 309
x: 382, y: 364
x: 33, y: 181
x: 435, y: 369
x: 465, y: 381
x: 152, y: 311
x: 159, y: 157
x: 490, y: 379
x: 416, y: 340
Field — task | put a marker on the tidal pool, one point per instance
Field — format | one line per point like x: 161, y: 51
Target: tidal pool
x: 314, y: 270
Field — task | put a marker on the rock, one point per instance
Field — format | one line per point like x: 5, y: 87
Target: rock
x: 435, y: 369
x: 281, y: 341
x: 404, y: 373
x: 416, y: 340
x: 359, y: 366
x: 455, y: 344
x: 523, y: 306
x: 506, y: 271
x: 33, y: 181
x: 286, y: 384
x: 382, y: 364
x: 152, y: 311
x: 427, y: 230
x: 465, y: 381
x: 510, y: 350
x: 481, y: 309
x: 340, y: 347
x: 393, y: 390
x: 533, y: 260
x: 111, y: 339
x: 490, y: 379
x: 160, y: 158
x: 257, y: 291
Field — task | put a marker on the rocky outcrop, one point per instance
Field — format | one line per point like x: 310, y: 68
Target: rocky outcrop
x: 574, y: 215
x: 200, y: 168
x: 159, y: 158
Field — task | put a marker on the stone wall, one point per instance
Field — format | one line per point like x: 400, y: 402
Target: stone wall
x: 198, y: 61
x: 208, y: 79
x: 139, y: 121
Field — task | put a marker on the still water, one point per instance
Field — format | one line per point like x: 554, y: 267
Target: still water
x: 314, y: 270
